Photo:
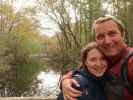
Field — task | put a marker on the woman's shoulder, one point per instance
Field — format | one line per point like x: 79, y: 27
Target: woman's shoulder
x: 82, y: 72
x: 83, y: 77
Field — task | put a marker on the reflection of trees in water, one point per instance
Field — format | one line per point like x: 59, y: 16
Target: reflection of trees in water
x: 9, y: 86
x: 7, y: 83
x: 39, y: 88
x: 34, y: 89
x: 7, y: 92
x: 50, y: 91
x: 8, y: 89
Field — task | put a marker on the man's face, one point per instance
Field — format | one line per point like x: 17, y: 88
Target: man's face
x: 109, y: 38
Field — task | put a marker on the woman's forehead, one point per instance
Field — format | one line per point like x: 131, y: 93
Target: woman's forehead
x: 94, y: 51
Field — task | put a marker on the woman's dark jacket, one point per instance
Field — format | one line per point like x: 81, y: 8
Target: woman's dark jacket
x: 92, y: 87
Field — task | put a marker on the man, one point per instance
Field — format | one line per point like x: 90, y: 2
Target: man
x: 109, y: 35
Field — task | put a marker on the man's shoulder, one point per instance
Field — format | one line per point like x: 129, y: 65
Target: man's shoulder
x: 129, y: 49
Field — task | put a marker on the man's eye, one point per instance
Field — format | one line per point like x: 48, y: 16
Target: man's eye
x: 99, y: 37
x: 112, y: 33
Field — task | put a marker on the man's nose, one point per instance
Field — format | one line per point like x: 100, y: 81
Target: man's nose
x: 107, y: 39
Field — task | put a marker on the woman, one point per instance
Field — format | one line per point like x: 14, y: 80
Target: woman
x: 91, y: 74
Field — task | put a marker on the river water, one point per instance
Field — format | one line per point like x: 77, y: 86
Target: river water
x: 49, y: 83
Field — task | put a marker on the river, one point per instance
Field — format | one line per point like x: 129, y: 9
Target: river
x: 49, y: 83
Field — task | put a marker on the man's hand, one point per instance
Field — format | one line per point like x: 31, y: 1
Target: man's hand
x: 69, y: 92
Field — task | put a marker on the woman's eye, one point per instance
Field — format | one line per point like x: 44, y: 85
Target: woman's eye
x: 93, y: 59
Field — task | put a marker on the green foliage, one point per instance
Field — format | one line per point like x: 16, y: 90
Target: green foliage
x: 25, y: 74
x: 4, y: 67
x: 18, y: 42
x: 74, y: 34
x: 34, y: 46
x: 62, y: 60
x: 24, y: 67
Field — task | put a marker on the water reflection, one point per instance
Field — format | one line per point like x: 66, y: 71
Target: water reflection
x: 48, y: 85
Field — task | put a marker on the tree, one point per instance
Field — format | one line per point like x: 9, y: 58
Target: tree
x: 74, y: 19
x: 19, y: 40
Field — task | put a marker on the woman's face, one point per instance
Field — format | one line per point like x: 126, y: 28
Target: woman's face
x: 96, y: 62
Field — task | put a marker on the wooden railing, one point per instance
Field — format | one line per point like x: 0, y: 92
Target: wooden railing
x: 28, y: 98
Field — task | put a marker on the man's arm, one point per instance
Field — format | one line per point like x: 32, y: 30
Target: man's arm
x: 69, y: 92
x: 130, y: 70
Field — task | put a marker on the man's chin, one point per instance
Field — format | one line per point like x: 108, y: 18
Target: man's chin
x: 111, y: 54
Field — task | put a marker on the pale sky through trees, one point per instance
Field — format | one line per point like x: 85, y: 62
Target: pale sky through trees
x: 49, y: 28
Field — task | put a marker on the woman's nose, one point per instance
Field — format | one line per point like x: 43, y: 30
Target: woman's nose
x: 98, y: 62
